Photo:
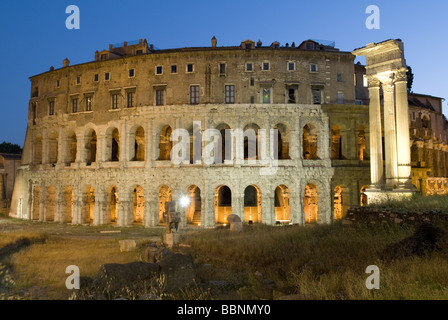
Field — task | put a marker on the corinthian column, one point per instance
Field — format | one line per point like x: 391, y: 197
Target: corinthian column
x: 403, y: 148
x: 390, y: 134
x: 376, y: 145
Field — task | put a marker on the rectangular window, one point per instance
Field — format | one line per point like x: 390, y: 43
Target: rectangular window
x: 340, y: 97
x: 291, y: 95
x: 131, y: 73
x: 194, y: 94
x: 252, y: 99
x: 252, y: 81
x: 249, y: 66
x: 365, y: 82
x: 51, y: 107
x: 339, y: 77
x: 313, y: 67
x: 139, y: 52
x: 413, y: 116
x: 78, y: 80
x: 89, y: 100
x: 96, y: 77
x: 114, y: 98
x: 266, y: 95
x: 130, y: 99
x: 230, y: 94
x: 58, y: 83
x: 266, y: 66
x: 107, y: 76
x: 291, y: 66
x: 222, y: 68
x: 173, y: 69
x: 190, y: 67
x: 160, y: 97
x: 317, y: 96
x: 103, y: 57
x: 74, y: 105
x: 159, y: 70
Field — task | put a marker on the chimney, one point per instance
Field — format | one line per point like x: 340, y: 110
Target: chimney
x: 66, y: 62
x: 214, y: 42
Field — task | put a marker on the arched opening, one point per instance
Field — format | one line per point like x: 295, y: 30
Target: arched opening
x: 336, y: 143
x: 139, y: 205
x: 363, y: 197
x: 165, y: 196
x: 223, y: 204
x: 71, y: 146
x: 362, y: 147
x: 113, y: 205
x: 251, y: 142
x: 88, y: 205
x: 310, y: 203
x: 165, y: 143
x: 37, y: 156
x: 310, y: 142
x: 90, y: 147
x: 282, y: 144
x: 193, y: 210
x: 281, y: 204
x: 51, y: 204
x: 112, y: 145
x: 36, y: 203
x: 52, y: 150
x: 252, y: 204
x: 68, y: 199
x: 138, y: 142
x: 225, y: 138
x: 337, y: 203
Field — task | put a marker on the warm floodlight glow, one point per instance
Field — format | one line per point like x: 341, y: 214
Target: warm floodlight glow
x: 184, y: 201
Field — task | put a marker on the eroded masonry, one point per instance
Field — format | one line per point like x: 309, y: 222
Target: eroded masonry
x: 99, y: 143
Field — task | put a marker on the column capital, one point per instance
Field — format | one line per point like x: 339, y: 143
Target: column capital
x: 373, y: 82
x: 401, y: 75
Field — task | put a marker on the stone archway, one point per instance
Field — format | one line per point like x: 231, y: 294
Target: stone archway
x: 113, y: 205
x: 165, y: 143
x: 193, y: 211
x: 88, y: 204
x: 165, y: 195
x: 36, y: 203
x: 68, y: 199
x: 338, y: 206
x: 223, y: 204
x: 310, y: 204
x: 252, y: 204
x: 281, y: 204
x: 50, y: 208
x: 310, y: 137
x: 138, y: 200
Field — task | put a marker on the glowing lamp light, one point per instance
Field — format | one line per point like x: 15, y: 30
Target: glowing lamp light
x: 184, y: 201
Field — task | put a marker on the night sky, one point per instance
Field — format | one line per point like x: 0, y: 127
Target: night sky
x: 34, y: 36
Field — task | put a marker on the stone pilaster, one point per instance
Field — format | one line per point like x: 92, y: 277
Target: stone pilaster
x: 402, y: 124
x: 376, y: 145
x: 390, y: 135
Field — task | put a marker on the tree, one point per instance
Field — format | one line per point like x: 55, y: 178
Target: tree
x: 7, y: 147
x: 410, y: 79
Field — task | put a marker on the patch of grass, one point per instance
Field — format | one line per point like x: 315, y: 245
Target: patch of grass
x: 325, y: 262
x: 10, y: 237
x: 44, y: 265
x: 417, y: 202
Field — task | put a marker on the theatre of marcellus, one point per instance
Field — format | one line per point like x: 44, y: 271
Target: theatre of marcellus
x: 298, y: 134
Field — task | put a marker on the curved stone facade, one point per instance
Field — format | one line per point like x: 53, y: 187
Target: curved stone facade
x: 101, y: 137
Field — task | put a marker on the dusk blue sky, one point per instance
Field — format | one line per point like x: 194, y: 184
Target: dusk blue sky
x: 34, y: 36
